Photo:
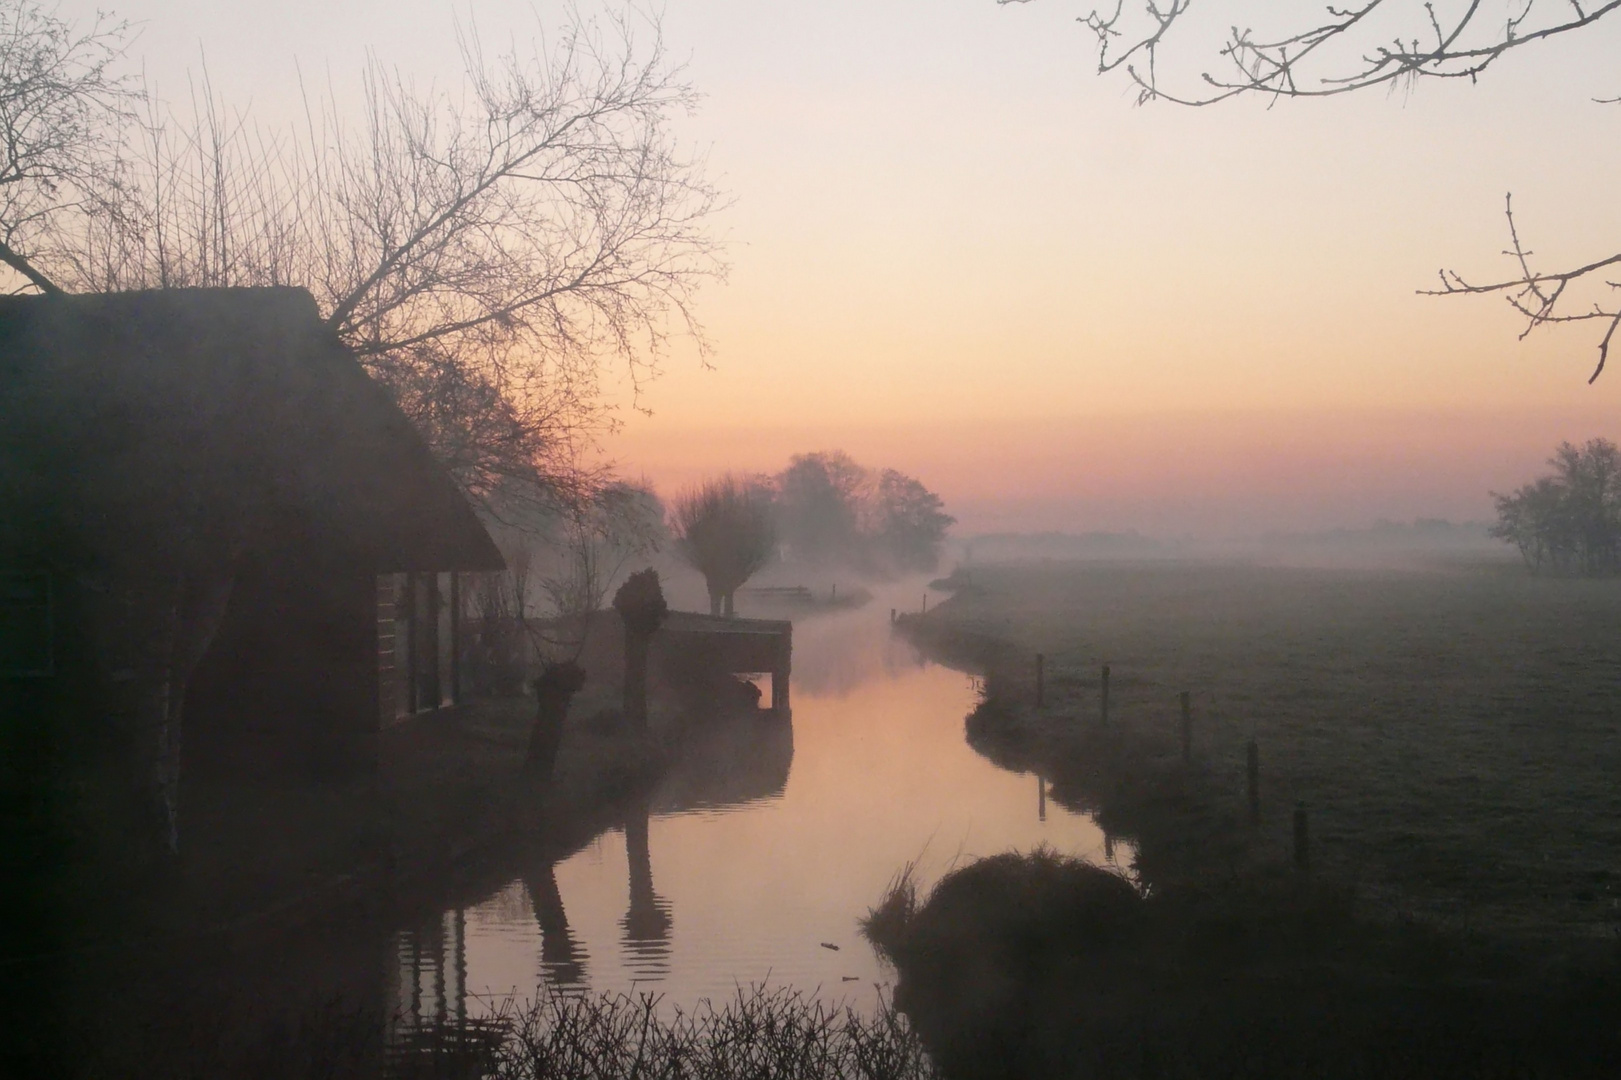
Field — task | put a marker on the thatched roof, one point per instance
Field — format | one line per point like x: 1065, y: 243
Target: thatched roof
x: 163, y: 412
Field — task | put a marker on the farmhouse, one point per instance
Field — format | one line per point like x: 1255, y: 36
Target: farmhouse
x: 224, y: 551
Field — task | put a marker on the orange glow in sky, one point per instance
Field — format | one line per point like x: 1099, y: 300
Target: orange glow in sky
x: 957, y: 251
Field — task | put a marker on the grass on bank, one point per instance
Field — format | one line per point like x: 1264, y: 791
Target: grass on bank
x: 1455, y: 736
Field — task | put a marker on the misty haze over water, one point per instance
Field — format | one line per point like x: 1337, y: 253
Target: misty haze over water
x: 951, y: 540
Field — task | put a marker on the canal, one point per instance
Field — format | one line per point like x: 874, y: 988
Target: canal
x: 755, y: 859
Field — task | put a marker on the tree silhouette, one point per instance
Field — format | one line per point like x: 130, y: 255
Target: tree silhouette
x: 62, y: 104
x: 726, y: 529
x: 819, y: 502
x: 1570, y: 520
x: 482, y: 251
x: 832, y: 510
x: 911, y: 521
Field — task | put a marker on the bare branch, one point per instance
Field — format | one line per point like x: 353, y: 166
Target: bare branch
x: 1537, y: 296
x: 1371, y: 43
x: 62, y: 109
x: 1338, y: 50
x: 484, y: 252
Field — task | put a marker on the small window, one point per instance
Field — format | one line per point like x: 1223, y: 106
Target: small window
x: 25, y: 624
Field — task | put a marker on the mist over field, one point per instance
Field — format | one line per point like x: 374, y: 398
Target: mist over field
x: 950, y: 540
x: 1433, y: 543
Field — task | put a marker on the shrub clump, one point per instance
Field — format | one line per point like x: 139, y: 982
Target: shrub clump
x: 990, y: 936
x: 1007, y: 919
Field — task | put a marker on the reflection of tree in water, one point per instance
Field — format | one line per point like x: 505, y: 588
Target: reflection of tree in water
x: 647, y: 923
x: 562, y: 960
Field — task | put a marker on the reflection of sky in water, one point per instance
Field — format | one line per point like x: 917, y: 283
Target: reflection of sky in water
x: 746, y: 885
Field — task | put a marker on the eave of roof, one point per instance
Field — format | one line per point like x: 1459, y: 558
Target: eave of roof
x: 241, y: 398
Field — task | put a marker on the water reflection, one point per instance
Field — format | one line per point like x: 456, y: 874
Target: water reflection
x: 835, y: 655
x: 431, y: 970
x: 728, y: 763
x: 647, y: 924
x: 770, y: 838
x: 766, y: 839
x: 562, y: 959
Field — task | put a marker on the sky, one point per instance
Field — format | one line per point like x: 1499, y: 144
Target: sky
x: 958, y: 251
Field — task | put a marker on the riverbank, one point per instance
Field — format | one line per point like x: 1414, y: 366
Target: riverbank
x: 1438, y: 928
x: 1454, y: 737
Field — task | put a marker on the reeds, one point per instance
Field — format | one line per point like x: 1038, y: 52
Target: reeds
x: 782, y: 1034
x: 886, y: 924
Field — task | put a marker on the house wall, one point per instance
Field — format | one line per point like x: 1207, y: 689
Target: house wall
x: 419, y: 643
x: 289, y: 688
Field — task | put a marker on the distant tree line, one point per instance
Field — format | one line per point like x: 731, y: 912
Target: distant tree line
x: 823, y: 510
x: 1569, y: 521
x: 832, y: 511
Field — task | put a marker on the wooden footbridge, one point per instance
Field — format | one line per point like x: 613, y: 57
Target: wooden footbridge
x: 736, y: 646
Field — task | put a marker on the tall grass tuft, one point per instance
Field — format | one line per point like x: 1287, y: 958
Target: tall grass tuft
x: 887, y: 924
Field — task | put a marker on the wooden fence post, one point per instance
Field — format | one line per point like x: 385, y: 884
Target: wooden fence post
x: 892, y: 616
x: 1253, y: 769
x: 1187, y: 728
x: 1105, y: 696
x: 1041, y: 680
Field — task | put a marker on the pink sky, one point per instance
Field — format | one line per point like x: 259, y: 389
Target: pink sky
x: 957, y: 251
x: 1164, y: 473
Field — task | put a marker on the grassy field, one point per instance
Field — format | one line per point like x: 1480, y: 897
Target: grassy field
x: 1455, y: 734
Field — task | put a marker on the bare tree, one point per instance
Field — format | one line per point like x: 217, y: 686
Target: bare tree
x: 1322, y: 51
x: 726, y: 528
x: 1572, y: 518
x: 597, y: 542
x: 481, y: 251
x: 562, y: 561
x: 62, y: 104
